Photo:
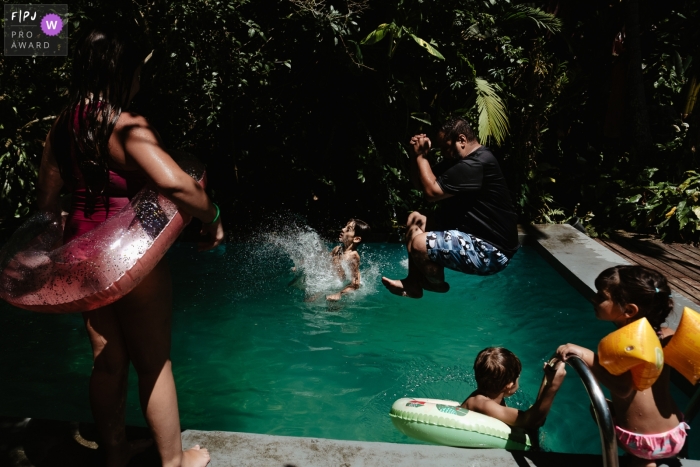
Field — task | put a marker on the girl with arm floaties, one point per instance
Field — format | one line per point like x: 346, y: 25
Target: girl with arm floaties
x: 649, y: 426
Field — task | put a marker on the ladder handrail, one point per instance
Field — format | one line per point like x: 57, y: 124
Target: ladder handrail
x: 600, y: 408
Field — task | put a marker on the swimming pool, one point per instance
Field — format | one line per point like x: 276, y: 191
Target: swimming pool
x: 250, y: 354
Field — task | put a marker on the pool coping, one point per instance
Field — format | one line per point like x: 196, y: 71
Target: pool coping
x: 230, y: 449
x: 579, y: 259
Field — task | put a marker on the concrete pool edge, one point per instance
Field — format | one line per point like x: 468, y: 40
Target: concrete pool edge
x: 579, y: 259
x: 230, y: 449
x: 37, y: 442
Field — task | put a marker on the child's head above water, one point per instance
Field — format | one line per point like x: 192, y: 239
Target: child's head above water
x: 495, y: 368
x: 628, y: 287
x: 353, y: 231
x: 361, y: 227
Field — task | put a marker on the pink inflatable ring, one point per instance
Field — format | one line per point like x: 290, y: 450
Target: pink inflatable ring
x: 97, y: 268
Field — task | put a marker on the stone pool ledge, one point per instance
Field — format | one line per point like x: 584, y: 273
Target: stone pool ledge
x: 251, y: 450
x: 49, y: 443
x: 579, y: 259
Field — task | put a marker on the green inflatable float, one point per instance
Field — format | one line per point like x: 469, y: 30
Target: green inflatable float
x: 445, y: 422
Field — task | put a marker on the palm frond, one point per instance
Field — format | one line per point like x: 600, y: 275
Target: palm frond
x: 472, y: 31
x: 493, y: 119
x: 542, y: 19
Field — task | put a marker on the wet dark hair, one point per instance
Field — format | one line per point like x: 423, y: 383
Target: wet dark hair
x: 641, y: 286
x: 361, y: 227
x: 454, y: 127
x: 104, y: 64
x: 495, y: 368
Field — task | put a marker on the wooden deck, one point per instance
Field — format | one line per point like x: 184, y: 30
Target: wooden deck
x: 680, y: 263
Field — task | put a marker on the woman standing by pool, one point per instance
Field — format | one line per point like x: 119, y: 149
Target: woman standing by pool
x: 105, y: 154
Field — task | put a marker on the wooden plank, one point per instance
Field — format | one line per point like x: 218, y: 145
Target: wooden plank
x: 658, y: 253
x: 679, y: 275
x: 672, y: 254
x: 687, y: 250
x: 652, y: 245
x: 688, y: 261
x: 671, y: 276
x: 681, y: 269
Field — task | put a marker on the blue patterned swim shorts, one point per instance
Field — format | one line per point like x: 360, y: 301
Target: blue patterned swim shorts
x: 464, y: 253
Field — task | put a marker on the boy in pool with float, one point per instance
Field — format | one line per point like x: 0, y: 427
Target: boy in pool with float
x: 497, y: 371
x: 345, y: 259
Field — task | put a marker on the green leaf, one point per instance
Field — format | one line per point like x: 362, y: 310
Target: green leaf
x: 678, y: 64
x: 422, y: 120
x: 543, y: 20
x: 493, y: 119
x: 358, y: 51
x: 376, y: 35
x: 429, y: 48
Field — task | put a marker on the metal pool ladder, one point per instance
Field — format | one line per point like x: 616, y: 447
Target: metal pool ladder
x: 602, y: 411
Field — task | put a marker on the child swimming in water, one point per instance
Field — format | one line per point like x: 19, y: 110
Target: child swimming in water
x: 649, y: 426
x: 345, y: 259
x: 497, y: 373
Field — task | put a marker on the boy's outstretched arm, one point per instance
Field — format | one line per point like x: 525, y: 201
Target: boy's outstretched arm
x: 354, y: 263
x: 534, y: 416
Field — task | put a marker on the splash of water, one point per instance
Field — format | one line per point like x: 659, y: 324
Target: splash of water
x: 313, y: 271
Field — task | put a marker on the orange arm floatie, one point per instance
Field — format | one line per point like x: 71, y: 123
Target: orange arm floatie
x: 683, y: 352
x: 634, y: 348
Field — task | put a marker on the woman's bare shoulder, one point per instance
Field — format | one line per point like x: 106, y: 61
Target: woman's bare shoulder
x: 131, y: 121
x: 131, y: 129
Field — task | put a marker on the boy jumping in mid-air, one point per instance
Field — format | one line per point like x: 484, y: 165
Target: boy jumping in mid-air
x: 345, y: 258
x: 497, y: 371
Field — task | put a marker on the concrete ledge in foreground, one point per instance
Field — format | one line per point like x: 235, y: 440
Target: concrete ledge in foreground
x: 252, y: 450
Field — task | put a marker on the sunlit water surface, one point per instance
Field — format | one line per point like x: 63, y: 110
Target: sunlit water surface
x: 251, y: 353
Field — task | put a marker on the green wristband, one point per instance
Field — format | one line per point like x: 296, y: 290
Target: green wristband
x: 216, y: 218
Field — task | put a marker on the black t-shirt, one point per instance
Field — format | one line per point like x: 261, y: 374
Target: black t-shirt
x: 481, y: 204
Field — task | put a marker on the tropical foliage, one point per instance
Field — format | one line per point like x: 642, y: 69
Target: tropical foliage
x: 306, y: 105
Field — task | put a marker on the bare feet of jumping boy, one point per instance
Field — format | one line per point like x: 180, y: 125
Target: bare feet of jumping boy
x: 403, y: 288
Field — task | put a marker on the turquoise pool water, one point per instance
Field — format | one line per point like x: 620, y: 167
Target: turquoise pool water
x: 250, y: 354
